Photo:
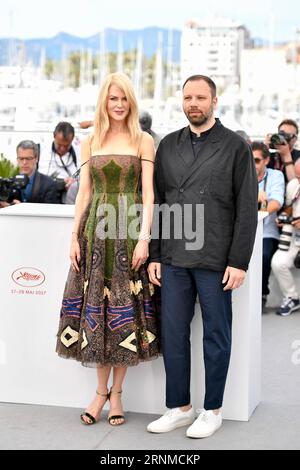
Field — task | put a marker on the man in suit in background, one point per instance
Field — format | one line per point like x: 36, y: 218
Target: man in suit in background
x: 203, y: 165
x: 40, y: 188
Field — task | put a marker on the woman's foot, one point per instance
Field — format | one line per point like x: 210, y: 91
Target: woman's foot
x: 93, y: 411
x: 116, y: 416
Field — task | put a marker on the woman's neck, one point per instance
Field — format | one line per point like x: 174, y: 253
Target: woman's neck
x: 118, y: 127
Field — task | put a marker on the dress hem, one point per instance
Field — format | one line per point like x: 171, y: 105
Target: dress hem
x: 97, y: 365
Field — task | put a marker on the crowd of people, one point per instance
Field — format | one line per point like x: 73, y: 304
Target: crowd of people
x: 278, y: 171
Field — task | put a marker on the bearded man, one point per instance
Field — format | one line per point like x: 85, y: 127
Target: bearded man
x: 208, y: 172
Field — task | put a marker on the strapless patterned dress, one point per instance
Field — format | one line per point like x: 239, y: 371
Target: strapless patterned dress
x: 110, y: 313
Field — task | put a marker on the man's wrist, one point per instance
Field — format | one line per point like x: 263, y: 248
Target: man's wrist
x: 287, y: 157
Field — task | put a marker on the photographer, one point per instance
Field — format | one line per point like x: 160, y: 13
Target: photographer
x: 271, y: 187
x: 61, y: 161
x: 283, y: 142
x: 39, y: 188
x: 289, y: 245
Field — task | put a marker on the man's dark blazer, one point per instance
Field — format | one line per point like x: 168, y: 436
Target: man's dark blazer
x: 223, y: 178
x: 44, y: 190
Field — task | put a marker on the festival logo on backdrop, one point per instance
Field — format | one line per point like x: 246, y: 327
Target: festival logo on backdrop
x: 28, y: 277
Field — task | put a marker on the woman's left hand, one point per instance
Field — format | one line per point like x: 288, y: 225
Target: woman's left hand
x: 140, y: 254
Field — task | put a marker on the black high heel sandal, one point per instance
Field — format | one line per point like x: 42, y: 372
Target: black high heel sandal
x: 92, y: 419
x: 114, y: 417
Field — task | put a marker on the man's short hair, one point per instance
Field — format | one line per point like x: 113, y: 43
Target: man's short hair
x: 205, y: 78
x: 64, y: 128
x: 28, y: 145
x: 145, y: 120
x: 289, y: 122
x: 243, y: 134
x: 256, y: 145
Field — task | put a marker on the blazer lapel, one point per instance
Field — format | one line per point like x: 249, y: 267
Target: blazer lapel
x: 185, y: 148
x: 212, y: 145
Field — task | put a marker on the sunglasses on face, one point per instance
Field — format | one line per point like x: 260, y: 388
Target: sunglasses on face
x: 258, y: 160
x: 288, y: 136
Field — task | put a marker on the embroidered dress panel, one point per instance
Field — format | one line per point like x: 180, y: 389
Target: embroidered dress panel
x: 110, y: 313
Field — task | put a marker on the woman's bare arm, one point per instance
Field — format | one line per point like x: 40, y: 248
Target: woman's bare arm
x: 147, y: 159
x: 85, y: 186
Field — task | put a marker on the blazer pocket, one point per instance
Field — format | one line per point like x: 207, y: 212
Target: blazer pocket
x: 221, y: 186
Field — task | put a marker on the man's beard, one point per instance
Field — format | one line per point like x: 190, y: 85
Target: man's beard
x: 198, y: 121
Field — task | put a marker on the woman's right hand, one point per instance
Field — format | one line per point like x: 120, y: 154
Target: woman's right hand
x: 75, y: 253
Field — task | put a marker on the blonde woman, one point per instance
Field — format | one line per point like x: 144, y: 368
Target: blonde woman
x: 108, y: 315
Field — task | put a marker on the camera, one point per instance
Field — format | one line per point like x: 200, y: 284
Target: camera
x: 281, y: 138
x: 59, y: 182
x: 11, y: 188
x: 60, y: 185
x: 286, y: 231
x: 285, y: 218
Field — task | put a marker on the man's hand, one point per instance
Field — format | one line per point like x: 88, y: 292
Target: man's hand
x: 68, y: 182
x: 233, y: 277
x: 262, y: 197
x: 85, y: 124
x: 154, y: 271
x: 267, y: 140
x: 281, y: 224
x: 7, y: 204
x: 284, y: 152
x: 296, y: 224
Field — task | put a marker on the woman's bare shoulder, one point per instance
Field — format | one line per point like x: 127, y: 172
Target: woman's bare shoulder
x: 146, y: 137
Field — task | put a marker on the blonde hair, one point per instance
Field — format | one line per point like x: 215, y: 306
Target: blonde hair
x: 101, y: 121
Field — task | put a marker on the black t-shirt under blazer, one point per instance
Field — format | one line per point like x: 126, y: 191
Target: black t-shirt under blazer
x: 222, y: 177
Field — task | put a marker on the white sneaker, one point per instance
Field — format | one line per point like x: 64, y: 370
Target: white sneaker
x: 172, y: 419
x: 205, y: 425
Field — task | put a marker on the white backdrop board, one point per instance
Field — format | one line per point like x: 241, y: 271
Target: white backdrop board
x: 35, y: 243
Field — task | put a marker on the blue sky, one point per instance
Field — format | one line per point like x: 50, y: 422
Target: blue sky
x: 36, y: 18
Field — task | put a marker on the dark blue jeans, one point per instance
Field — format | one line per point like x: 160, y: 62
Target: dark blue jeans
x: 270, y: 245
x: 179, y: 289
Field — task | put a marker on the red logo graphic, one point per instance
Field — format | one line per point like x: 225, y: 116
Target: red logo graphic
x: 28, y: 277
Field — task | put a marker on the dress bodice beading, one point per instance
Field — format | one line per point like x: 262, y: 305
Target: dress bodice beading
x: 115, y: 173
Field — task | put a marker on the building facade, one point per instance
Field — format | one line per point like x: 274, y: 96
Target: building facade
x: 213, y: 47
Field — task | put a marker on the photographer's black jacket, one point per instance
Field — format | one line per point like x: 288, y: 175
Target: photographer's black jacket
x: 224, y: 179
x: 44, y: 190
